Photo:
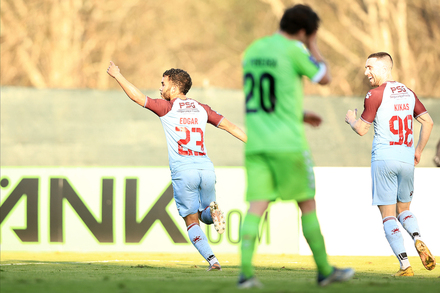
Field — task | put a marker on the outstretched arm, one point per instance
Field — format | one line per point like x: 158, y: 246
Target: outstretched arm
x: 359, y: 126
x: 132, y: 92
x: 425, y: 132
x: 233, y: 129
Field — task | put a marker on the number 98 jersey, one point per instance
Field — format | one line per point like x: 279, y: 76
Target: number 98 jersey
x: 392, y: 107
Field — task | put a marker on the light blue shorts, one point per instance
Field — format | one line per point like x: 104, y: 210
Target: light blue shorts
x: 392, y: 181
x: 194, y: 190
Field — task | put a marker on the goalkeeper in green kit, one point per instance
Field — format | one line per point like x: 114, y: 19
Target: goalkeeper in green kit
x: 277, y: 158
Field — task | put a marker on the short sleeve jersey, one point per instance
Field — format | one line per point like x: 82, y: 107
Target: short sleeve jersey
x: 273, y: 68
x: 391, y: 107
x: 184, y: 123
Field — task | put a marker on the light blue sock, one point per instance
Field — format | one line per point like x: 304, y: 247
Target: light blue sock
x: 395, y: 239
x: 200, y: 241
x: 409, y: 222
x: 206, y: 217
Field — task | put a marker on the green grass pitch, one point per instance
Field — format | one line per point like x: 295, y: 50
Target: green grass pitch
x: 155, y: 272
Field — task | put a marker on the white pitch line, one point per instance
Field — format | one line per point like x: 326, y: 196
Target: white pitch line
x: 94, y: 261
x: 122, y: 260
x: 22, y: 264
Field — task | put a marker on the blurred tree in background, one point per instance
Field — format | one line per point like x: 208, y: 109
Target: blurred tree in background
x: 69, y: 43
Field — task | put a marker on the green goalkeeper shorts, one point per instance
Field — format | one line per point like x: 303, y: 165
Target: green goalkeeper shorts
x: 287, y: 176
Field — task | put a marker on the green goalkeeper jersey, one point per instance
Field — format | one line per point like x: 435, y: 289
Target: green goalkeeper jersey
x: 273, y: 67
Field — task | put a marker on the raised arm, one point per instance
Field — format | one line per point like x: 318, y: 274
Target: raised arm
x: 132, y: 92
x: 233, y: 129
x: 312, y: 45
x: 358, y: 126
x: 425, y: 132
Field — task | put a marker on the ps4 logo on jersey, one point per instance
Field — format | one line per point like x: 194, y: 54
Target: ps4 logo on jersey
x: 187, y: 107
x: 399, y: 89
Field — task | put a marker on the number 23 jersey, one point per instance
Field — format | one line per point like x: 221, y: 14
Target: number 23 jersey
x: 392, y: 107
x: 184, y: 123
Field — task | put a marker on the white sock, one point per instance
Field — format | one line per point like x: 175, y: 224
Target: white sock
x: 409, y: 223
x: 395, y: 239
x: 199, y: 240
x: 212, y: 260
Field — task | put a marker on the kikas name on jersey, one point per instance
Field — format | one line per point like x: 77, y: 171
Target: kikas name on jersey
x: 401, y: 107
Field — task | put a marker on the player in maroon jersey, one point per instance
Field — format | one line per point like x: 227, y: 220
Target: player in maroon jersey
x: 192, y: 172
x: 391, y: 106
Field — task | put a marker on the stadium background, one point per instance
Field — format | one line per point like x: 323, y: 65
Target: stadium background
x: 59, y: 108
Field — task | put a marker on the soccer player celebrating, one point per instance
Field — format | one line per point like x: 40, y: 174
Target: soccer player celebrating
x: 392, y: 106
x: 192, y: 172
x: 277, y: 157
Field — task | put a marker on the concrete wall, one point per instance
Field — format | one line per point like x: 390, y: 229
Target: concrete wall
x: 104, y: 128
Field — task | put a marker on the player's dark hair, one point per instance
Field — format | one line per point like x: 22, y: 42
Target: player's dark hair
x: 299, y: 17
x: 179, y: 78
x: 381, y: 55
